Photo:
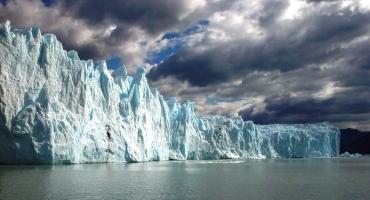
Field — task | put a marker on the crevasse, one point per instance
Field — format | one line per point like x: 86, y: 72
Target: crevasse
x: 56, y: 108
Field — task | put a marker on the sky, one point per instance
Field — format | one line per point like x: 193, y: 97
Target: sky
x: 269, y: 61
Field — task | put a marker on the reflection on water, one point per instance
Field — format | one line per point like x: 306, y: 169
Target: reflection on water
x: 225, y: 179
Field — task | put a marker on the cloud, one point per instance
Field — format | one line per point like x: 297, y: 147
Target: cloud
x: 303, y: 61
x: 337, y: 108
x: 272, y: 61
x: 100, y: 29
x: 151, y: 16
x: 217, y: 55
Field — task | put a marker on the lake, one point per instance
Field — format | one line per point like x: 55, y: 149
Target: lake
x: 336, y: 178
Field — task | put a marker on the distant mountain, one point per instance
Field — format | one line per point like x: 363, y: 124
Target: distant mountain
x: 354, y: 141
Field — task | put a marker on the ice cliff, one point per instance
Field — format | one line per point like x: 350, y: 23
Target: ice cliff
x: 56, y: 108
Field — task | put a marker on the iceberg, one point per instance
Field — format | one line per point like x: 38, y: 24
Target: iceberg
x: 56, y: 108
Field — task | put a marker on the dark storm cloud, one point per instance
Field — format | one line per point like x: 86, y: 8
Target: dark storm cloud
x: 135, y: 21
x: 153, y: 16
x: 339, y: 108
x: 24, y: 14
x: 315, y: 39
x: 199, y: 70
x: 87, y: 51
x: 289, y: 68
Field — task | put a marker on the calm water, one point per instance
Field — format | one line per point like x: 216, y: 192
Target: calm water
x: 251, y: 179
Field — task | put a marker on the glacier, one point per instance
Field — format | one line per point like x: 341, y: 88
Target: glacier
x: 56, y: 109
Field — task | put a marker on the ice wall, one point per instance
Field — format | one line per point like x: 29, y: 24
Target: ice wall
x: 56, y: 108
x: 300, y: 140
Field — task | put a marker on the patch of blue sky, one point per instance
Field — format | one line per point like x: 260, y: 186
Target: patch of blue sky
x: 175, y: 41
x: 171, y: 35
x: 164, y: 53
x: 199, y: 27
x: 3, y: 2
x: 114, y: 62
x: 47, y: 2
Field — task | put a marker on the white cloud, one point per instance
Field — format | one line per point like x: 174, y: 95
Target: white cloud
x: 295, y: 10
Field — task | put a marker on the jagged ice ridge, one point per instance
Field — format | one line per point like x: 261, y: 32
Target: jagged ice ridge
x: 56, y: 108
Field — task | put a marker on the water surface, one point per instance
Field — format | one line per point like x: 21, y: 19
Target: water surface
x: 343, y: 178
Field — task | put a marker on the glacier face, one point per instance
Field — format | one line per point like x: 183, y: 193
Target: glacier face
x: 56, y: 108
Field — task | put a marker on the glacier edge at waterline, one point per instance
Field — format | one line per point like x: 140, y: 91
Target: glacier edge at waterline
x: 56, y: 108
